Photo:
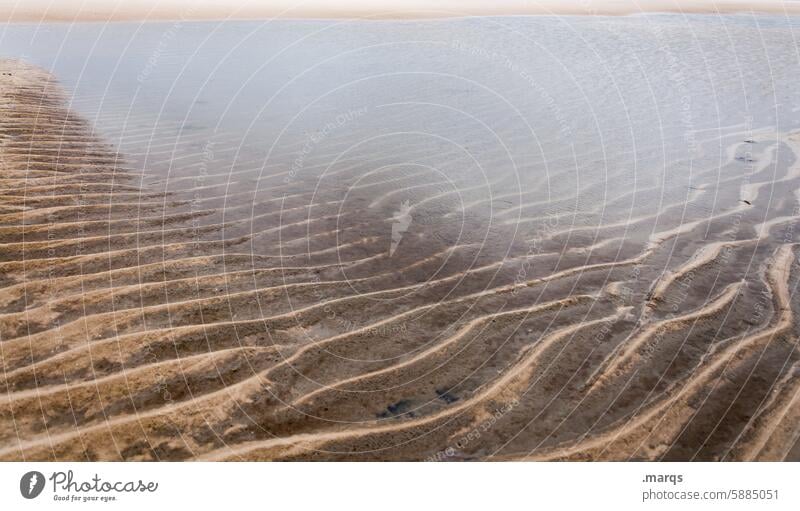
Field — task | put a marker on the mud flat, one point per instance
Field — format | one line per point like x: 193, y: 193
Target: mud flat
x: 385, y: 302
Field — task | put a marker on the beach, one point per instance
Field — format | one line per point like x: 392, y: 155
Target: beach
x: 153, y: 10
x: 503, y: 238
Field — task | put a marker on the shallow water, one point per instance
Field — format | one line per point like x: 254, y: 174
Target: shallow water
x: 417, y: 179
x: 549, y: 107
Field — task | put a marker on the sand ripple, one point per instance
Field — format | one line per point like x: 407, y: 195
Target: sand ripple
x: 325, y: 326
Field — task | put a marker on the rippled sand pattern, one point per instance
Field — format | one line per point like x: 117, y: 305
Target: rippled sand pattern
x: 429, y: 307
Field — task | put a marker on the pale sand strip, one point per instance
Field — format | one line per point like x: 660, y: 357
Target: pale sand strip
x: 122, y: 10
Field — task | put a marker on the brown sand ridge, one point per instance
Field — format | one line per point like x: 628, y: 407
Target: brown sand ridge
x: 125, y: 334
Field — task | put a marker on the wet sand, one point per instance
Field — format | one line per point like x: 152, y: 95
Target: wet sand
x: 365, y: 310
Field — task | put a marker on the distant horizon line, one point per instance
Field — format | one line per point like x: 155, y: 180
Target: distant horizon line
x: 38, y: 11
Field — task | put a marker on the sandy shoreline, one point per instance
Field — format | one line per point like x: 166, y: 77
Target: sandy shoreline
x: 152, y: 10
x: 157, y: 339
